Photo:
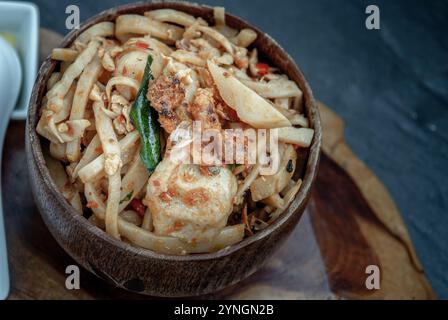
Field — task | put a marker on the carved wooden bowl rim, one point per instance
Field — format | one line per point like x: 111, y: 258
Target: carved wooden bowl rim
x: 264, y: 43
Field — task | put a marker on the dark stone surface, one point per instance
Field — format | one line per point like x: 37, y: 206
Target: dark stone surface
x: 389, y: 85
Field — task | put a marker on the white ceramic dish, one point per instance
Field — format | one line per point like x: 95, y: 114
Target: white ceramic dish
x: 21, y: 19
x: 10, y: 84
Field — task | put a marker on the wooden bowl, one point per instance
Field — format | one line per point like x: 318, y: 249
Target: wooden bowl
x: 142, y: 270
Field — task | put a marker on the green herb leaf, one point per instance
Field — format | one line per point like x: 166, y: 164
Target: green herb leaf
x: 144, y: 119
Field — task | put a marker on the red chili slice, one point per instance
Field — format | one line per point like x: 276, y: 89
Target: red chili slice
x: 142, y: 45
x: 262, y: 68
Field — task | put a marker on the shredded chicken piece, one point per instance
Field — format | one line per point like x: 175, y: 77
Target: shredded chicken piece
x: 205, y: 78
x: 125, y: 113
x: 120, y: 124
x: 202, y: 109
x: 186, y: 44
x: 117, y: 102
x: 222, y: 109
x: 108, y: 62
x: 241, y: 59
x: 107, y: 52
x: 225, y: 112
x: 206, y: 50
x: 121, y: 107
x: 166, y: 95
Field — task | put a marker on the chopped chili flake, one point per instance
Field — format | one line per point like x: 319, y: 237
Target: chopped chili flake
x: 178, y: 225
x: 262, y: 68
x: 139, y: 76
x: 130, y: 186
x: 138, y: 206
x: 99, y: 149
x: 172, y: 191
x: 164, y: 196
x: 142, y: 45
x: 156, y: 183
x: 121, y: 118
x: 92, y: 204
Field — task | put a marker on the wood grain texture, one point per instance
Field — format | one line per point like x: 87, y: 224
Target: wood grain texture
x: 375, y: 192
x: 377, y: 219
x: 351, y: 237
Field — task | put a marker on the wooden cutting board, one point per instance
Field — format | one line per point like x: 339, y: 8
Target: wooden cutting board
x: 351, y: 222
